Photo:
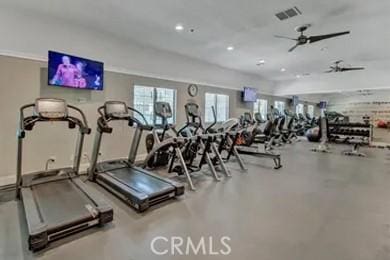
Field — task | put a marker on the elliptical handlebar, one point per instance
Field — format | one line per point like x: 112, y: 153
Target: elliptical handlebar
x: 214, y: 121
x: 191, y: 119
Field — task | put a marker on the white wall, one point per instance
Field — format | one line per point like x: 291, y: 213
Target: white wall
x: 355, y: 105
x: 374, y: 77
x: 21, y: 81
x: 28, y: 36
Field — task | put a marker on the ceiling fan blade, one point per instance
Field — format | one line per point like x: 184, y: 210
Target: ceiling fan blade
x: 293, y: 48
x: 317, y: 38
x: 348, y: 69
x: 284, y: 37
x: 329, y: 71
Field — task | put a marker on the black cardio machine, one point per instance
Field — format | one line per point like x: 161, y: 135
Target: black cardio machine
x: 246, y: 144
x: 203, y: 142
x: 163, y: 149
x: 56, y: 202
x: 136, y: 186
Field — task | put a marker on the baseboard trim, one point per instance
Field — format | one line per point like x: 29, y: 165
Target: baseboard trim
x: 7, y: 180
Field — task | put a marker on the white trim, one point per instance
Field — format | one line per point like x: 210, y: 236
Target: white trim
x: 7, y: 180
x: 33, y: 57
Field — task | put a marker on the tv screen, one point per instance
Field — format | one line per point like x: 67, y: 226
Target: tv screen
x: 74, y: 72
x: 250, y: 94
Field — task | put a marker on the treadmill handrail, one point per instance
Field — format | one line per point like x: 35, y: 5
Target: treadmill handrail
x: 103, y: 127
x: 30, y: 121
x: 104, y: 119
x: 214, y: 121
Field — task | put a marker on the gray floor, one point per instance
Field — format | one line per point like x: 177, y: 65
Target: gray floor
x: 319, y: 206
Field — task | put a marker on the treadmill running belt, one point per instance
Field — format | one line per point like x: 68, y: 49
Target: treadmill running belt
x: 61, y: 202
x: 139, y: 181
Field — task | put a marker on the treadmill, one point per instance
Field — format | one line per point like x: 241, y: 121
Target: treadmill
x: 56, y: 202
x: 137, y: 187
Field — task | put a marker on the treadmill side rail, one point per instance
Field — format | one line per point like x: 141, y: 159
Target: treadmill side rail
x: 179, y: 187
x: 37, y: 228
x: 106, y: 213
x: 129, y: 193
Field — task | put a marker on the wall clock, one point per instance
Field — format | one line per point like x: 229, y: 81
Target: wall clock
x: 193, y: 90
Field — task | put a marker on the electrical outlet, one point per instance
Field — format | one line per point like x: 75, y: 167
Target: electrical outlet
x: 85, y: 157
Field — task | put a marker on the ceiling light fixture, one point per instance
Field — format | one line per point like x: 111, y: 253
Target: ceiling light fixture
x: 260, y: 62
x: 179, y: 27
x: 298, y: 76
x: 230, y: 48
x: 282, y: 69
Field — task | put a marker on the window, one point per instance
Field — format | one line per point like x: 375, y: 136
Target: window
x: 299, y: 109
x: 310, y: 110
x: 279, y: 105
x: 145, y: 97
x: 261, y: 106
x: 221, y: 105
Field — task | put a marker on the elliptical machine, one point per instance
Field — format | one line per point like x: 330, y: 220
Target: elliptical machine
x: 163, y: 149
x: 202, y: 142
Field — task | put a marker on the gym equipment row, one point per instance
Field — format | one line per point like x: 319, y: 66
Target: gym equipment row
x: 58, y: 203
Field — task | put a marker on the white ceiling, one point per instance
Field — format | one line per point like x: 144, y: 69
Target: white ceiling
x: 249, y: 25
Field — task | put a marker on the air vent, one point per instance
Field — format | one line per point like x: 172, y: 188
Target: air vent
x: 282, y: 16
x: 288, y: 13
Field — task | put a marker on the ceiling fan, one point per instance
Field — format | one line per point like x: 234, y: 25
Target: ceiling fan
x: 303, y: 39
x: 337, y: 68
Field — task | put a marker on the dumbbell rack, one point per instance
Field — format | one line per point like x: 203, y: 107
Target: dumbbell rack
x: 356, y: 134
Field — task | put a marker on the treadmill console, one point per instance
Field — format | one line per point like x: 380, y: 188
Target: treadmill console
x: 163, y: 109
x: 51, y: 108
x: 116, y: 109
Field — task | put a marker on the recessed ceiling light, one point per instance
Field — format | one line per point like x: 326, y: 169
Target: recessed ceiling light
x: 230, y: 48
x: 282, y: 69
x: 179, y: 27
x: 298, y: 76
x: 260, y: 62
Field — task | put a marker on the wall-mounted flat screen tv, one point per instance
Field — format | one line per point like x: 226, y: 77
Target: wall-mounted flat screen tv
x: 69, y: 71
x: 249, y: 94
